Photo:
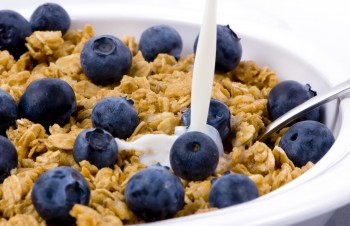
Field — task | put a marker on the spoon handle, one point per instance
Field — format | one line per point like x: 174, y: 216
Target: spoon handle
x: 304, y: 108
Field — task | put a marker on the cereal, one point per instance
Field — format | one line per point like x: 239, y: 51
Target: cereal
x: 161, y: 92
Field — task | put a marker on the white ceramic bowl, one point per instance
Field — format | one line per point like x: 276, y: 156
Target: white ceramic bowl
x: 309, y: 199
x: 299, y: 201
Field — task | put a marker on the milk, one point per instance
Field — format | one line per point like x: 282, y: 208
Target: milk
x: 203, y: 69
x: 156, y: 147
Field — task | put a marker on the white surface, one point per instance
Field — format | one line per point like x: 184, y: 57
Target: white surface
x: 320, y: 24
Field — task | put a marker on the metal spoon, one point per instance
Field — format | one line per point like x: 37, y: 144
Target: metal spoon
x: 304, y: 108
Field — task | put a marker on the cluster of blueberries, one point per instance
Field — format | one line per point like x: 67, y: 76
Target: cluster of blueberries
x: 153, y: 193
x: 308, y: 139
x: 15, y: 28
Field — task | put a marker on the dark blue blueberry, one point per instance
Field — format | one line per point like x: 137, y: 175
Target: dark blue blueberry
x: 50, y: 17
x: 47, y: 101
x: 154, y: 194
x: 228, y: 49
x: 287, y: 95
x: 232, y: 189
x: 96, y: 146
x: 8, y: 158
x: 306, y: 141
x: 105, y: 59
x: 14, y: 28
x: 194, y: 156
x: 115, y: 115
x: 8, y: 111
x: 56, y: 191
x: 219, y: 116
x: 160, y: 39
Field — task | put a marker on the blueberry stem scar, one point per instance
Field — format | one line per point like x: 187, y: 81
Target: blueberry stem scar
x: 304, y: 108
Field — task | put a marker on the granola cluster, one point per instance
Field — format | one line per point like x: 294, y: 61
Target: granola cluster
x: 161, y: 92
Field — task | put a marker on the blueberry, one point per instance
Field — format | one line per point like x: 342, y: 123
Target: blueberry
x: 228, y: 49
x: 287, y: 95
x: 8, y: 158
x: 219, y: 116
x: 154, y: 194
x: 105, y: 59
x: 194, y: 156
x: 115, y: 115
x: 232, y: 189
x: 96, y: 146
x: 8, y: 111
x: 160, y: 39
x: 47, y: 101
x: 56, y: 191
x: 14, y: 28
x: 306, y: 141
x: 50, y: 17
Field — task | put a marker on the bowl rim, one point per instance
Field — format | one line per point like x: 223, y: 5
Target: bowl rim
x: 229, y: 215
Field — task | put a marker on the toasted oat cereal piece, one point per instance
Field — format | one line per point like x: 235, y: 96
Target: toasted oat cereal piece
x: 153, y: 120
x: 248, y: 72
x: 298, y: 171
x: 42, y: 44
x: 198, y: 189
x: 282, y: 176
x: 69, y: 65
x: 87, y: 216
x: 79, y: 37
x: 178, y: 85
x: 104, y: 178
x: 128, y: 85
x: 25, y: 135
x: 259, y: 159
x: 60, y: 141
x: 163, y: 63
x: 23, y: 220
x: 3, y: 222
x: 193, y: 207
x: 6, y: 61
x: 281, y: 157
x: 130, y: 42
x: 121, y: 210
x: 263, y: 186
x: 140, y: 68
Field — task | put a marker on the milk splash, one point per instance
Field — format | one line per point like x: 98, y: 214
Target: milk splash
x: 156, y: 147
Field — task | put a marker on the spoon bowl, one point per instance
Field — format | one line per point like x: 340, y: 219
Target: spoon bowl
x: 304, y: 108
